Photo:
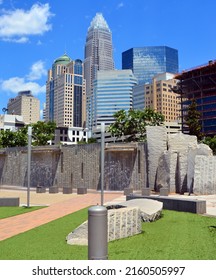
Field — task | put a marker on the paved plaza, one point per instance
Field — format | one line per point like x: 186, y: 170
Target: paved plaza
x: 60, y: 204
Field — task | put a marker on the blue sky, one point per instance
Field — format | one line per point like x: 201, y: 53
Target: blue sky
x: 33, y: 34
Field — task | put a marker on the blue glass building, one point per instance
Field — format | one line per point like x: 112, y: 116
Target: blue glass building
x: 113, y: 91
x: 146, y: 62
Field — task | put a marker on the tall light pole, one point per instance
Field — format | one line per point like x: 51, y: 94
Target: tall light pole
x: 102, y: 162
x: 29, y: 165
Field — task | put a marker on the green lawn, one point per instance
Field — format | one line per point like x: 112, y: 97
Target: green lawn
x: 6, y: 212
x: 176, y: 236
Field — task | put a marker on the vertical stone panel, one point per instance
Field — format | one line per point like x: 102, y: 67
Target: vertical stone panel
x: 157, y: 144
x: 204, y: 175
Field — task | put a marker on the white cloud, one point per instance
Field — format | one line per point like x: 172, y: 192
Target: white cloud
x: 19, y: 24
x: 20, y: 40
x: 16, y: 84
x: 120, y: 5
x: 1, y: 1
x: 37, y: 71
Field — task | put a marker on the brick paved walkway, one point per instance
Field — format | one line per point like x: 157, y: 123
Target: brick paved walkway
x: 21, y: 223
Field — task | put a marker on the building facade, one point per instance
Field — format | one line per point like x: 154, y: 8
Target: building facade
x: 11, y: 122
x: 25, y: 105
x: 70, y: 135
x: 98, y: 56
x: 113, y: 91
x: 160, y: 97
x: 65, y: 93
x: 146, y: 62
x: 199, y: 84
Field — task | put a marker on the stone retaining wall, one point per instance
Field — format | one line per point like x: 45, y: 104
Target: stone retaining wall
x: 75, y: 166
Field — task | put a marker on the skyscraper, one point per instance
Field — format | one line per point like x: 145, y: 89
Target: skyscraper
x: 98, y: 56
x: 65, y: 93
x: 113, y: 91
x: 146, y: 62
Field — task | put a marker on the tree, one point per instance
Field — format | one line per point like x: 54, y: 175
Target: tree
x: 132, y: 124
x: 10, y: 138
x: 211, y: 142
x: 192, y: 119
x: 43, y: 132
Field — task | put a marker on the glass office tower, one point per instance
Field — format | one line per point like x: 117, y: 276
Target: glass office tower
x: 146, y: 62
x: 113, y: 91
x: 98, y: 56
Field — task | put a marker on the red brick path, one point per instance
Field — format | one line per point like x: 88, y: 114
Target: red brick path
x: 21, y: 223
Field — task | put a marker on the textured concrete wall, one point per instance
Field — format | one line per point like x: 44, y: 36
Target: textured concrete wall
x: 205, y: 175
x: 72, y: 166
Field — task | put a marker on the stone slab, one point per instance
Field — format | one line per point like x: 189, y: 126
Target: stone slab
x: 177, y: 204
x: 122, y: 222
x: 9, y: 201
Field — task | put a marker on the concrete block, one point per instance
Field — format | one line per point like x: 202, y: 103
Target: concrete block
x: 164, y: 191
x: 128, y: 191
x: 146, y: 191
x: 81, y: 190
x: 177, y: 204
x: 67, y: 190
x: 9, y: 201
x: 53, y: 190
x: 40, y: 190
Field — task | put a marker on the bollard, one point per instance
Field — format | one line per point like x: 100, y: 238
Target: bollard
x: 97, y: 233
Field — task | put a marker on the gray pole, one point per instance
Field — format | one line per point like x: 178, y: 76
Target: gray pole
x: 29, y: 164
x: 102, y: 162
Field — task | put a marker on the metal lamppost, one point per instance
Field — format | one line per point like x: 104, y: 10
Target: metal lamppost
x: 29, y: 165
x: 97, y: 219
x: 102, y: 162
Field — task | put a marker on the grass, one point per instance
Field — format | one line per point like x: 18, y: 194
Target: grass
x: 6, y: 212
x: 176, y: 236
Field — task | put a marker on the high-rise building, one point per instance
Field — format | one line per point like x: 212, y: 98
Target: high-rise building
x: 98, y: 56
x: 146, y: 62
x: 65, y: 93
x: 26, y: 105
x: 113, y: 91
x: 199, y: 84
x: 160, y: 97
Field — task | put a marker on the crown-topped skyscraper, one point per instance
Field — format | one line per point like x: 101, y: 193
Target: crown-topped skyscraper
x: 98, y: 56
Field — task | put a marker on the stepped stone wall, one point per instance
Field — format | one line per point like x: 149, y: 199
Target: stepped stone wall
x: 165, y: 161
x: 74, y: 166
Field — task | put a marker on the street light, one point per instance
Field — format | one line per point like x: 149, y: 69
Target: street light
x: 102, y: 162
x: 29, y: 164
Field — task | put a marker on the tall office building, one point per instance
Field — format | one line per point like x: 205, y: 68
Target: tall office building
x: 98, y: 56
x: 65, y: 93
x: 26, y: 105
x: 146, y: 62
x: 113, y: 91
x: 160, y: 97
